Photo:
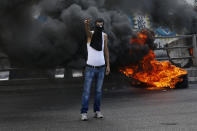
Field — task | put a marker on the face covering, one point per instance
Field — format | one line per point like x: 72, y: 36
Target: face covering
x: 97, y: 40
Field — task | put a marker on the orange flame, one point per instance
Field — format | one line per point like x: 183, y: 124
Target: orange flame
x: 152, y: 72
x: 191, y: 51
x: 141, y: 39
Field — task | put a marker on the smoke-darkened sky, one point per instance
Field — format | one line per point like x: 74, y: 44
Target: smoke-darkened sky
x: 60, y: 38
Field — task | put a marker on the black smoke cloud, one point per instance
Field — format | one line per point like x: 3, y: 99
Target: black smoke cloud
x: 175, y: 14
x: 59, y: 39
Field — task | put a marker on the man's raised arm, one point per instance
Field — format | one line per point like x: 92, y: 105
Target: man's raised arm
x: 87, y: 28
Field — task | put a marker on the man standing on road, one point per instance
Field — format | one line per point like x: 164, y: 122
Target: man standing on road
x: 97, y: 66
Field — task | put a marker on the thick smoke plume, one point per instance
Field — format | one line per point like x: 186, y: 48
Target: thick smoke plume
x: 50, y: 33
x: 176, y: 14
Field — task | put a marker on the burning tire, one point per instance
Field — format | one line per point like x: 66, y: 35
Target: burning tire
x: 138, y: 84
x: 183, y: 84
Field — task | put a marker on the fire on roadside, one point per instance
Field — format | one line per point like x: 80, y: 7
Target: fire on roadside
x: 155, y: 74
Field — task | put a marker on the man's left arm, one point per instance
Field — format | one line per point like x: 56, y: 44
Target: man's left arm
x: 106, y: 51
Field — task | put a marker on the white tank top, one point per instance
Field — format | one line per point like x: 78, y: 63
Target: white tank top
x: 96, y: 58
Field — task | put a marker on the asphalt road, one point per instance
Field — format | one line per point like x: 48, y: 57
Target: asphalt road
x: 125, y: 108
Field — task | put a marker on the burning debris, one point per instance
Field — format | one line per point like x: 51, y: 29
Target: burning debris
x: 149, y: 71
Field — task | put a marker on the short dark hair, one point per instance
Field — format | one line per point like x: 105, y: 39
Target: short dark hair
x: 99, y: 20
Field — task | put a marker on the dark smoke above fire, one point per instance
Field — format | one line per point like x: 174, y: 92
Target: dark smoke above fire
x: 49, y: 33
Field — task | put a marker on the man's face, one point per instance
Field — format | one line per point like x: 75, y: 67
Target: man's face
x: 99, y: 23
